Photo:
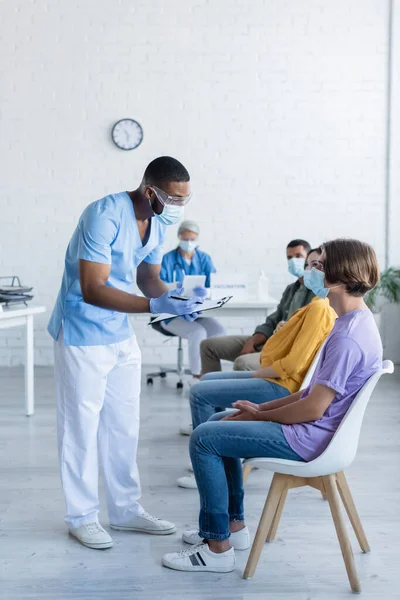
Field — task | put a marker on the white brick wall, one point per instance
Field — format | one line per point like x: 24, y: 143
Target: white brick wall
x: 276, y: 107
x: 392, y: 313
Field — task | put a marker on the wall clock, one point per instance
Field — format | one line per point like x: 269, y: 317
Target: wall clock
x: 127, y: 134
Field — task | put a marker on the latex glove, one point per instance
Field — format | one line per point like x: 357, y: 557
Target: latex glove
x: 180, y: 291
x: 200, y: 292
x: 192, y: 317
x: 166, y: 304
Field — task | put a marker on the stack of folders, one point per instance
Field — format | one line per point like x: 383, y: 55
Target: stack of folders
x: 12, y: 292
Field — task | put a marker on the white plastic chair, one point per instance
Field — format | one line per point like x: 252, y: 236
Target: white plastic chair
x: 313, y: 366
x: 325, y: 473
x: 247, y: 465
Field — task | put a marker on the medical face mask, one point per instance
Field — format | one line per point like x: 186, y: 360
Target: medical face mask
x: 296, y: 266
x: 188, y: 245
x: 314, y: 280
x: 170, y: 214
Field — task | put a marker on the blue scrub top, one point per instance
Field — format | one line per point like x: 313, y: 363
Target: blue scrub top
x: 107, y: 233
x: 174, y: 267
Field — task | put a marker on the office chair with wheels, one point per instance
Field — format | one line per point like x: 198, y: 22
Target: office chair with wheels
x: 162, y: 373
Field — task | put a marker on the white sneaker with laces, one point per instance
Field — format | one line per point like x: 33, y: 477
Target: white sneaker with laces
x: 146, y: 523
x: 200, y: 558
x: 186, y: 430
x: 92, y: 535
x: 240, y: 540
x: 188, y: 481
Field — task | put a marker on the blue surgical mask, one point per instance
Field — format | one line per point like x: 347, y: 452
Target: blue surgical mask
x: 296, y: 266
x: 170, y: 215
x: 314, y: 280
x: 188, y: 245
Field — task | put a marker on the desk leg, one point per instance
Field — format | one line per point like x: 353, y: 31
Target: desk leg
x: 29, y: 381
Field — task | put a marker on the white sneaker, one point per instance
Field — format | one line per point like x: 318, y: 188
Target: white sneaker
x: 146, y: 523
x: 240, y: 540
x: 92, y: 535
x: 188, y: 481
x: 200, y: 558
x: 190, y: 467
x: 186, y: 430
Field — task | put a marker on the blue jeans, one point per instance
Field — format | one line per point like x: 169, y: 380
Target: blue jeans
x: 217, y: 391
x: 216, y: 448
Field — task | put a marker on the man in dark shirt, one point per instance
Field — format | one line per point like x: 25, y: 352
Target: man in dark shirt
x: 243, y: 350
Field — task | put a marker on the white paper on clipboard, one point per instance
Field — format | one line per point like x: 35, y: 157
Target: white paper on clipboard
x: 207, y: 305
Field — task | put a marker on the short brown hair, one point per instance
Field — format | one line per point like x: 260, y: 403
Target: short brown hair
x: 352, y: 263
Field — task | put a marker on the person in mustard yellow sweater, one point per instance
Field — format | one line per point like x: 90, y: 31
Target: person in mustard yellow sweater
x: 285, y: 360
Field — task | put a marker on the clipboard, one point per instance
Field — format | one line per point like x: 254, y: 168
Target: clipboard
x: 207, y: 305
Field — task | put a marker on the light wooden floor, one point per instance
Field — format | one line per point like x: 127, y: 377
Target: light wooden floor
x: 38, y: 560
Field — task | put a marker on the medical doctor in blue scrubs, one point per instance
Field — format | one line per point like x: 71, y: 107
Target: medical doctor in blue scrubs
x: 117, y: 241
x: 188, y: 259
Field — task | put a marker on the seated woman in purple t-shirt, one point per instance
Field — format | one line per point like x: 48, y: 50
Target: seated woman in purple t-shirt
x: 297, y: 427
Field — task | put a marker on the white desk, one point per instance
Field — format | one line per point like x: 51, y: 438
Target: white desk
x: 23, y: 317
x: 242, y: 308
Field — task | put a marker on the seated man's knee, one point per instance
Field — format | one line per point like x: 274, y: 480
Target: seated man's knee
x: 209, y: 346
x: 205, y: 346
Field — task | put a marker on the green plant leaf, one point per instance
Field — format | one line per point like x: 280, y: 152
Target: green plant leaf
x: 388, y: 288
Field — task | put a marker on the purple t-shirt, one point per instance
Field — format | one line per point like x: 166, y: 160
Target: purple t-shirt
x: 352, y: 353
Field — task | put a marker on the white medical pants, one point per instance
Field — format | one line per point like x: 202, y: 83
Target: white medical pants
x: 195, y: 333
x: 98, y: 396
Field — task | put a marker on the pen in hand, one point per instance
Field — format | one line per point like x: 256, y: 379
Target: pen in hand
x: 182, y: 298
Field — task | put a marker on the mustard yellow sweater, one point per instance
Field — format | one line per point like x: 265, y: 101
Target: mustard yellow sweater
x: 292, y: 349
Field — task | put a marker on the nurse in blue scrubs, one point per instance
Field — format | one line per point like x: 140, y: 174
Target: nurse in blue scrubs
x: 116, y: 244
x: 187, y: 259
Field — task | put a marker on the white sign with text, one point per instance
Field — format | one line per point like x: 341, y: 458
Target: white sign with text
x: 229, y: 284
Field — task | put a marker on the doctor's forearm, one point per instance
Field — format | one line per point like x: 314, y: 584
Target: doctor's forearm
x: 152, y: 288
x: 107, y: 297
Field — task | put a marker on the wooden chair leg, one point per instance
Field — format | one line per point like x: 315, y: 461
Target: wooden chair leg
x: 247, y: 469
x: 337, y: 515
x: 279, y: 482
x: 274, y: 525
x: 351, y: 510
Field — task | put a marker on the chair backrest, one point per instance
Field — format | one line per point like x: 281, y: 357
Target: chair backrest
x: 310, y: 372
x: 343, y: 447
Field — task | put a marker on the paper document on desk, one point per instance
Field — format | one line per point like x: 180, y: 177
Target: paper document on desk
x: 207, y: 305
